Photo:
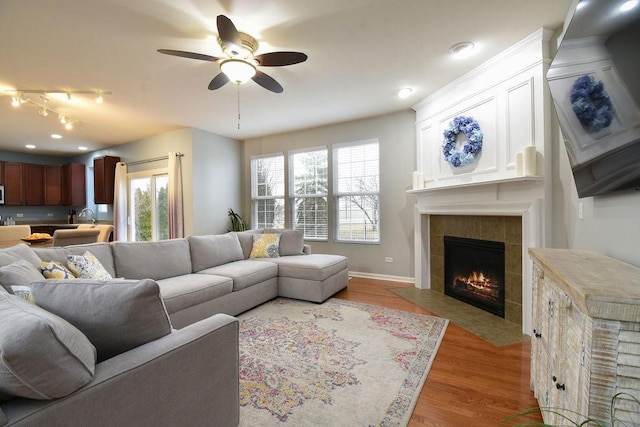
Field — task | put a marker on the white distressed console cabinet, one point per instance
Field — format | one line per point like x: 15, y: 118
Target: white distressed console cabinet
x: 585, y: 346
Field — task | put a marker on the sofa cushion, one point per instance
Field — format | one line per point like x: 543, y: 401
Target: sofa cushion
x: 212, y: 250
x: 265, y: 246
x: 310, y: 267
x: 20, y: 251
x: 185, y: 291
x: 87, y: 266
x: 291, y: 241
x: 245, y: 273
x: 55, y: 270
x: 152, y: 260
x: 43, y: 356
x: 102, y: 251
x: 116, y: 315
x: 18, y: 273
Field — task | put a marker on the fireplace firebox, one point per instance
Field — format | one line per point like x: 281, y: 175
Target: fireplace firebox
x: 474, y: 272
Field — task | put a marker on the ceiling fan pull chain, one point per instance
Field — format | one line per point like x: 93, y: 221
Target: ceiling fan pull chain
x: 238, y: 106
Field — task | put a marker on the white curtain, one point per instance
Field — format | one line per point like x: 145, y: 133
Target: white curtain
x: 120, y: 202
x: 176, y: 212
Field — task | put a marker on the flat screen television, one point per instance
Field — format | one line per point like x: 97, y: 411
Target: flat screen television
x: 594, y: 80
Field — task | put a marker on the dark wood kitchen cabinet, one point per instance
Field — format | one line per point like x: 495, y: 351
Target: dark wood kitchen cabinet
x: 53, y: 185
x: 13, y: 184
x: 33, y: 184
x: 74, y: 187
x: 104, y: 171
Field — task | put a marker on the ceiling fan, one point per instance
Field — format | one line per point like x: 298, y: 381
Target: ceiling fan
x: 239, y: 63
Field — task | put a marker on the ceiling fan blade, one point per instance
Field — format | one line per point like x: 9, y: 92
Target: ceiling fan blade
x: 278, y: 59
x: 218, y: 81
x: 267, y: 82
x: 228, y: 33
x: 191, y: 55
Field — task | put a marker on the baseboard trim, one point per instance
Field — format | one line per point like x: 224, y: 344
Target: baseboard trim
x: 402, y: 279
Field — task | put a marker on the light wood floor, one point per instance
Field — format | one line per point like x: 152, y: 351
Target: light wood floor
x: 471, y: 382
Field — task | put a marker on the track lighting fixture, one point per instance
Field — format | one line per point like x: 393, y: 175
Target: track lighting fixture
x: 18, y: 98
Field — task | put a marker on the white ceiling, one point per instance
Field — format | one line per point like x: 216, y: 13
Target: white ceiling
x: 360, y: 52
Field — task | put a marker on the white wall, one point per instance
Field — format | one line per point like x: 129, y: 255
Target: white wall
x: 397, y: 137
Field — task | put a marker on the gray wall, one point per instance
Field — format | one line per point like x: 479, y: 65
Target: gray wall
x: 217, y: 181
x: 396, y: 134
x: 208, y: 160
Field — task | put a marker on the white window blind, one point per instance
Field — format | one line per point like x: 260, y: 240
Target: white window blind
x: 267, y: 191
x: 356, y: 176
x: 309, y: 191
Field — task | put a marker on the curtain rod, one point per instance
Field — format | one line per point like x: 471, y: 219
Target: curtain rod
x: 154, y: 159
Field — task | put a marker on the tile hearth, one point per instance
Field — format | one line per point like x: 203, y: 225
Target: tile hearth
x: 498, y: 331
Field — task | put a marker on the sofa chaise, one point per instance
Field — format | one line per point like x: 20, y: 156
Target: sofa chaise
x: 181, y: 365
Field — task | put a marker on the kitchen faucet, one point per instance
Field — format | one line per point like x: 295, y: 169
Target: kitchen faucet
x: 83, y: 214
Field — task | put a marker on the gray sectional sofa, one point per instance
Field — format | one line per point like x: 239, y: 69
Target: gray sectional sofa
x: 187, y: 373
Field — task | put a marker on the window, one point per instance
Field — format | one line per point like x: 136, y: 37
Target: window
x: 309, y: 190
x: 356, y: 189
x: 149, y: 206
x: 267, y: 191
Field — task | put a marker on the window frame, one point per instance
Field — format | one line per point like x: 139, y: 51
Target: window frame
x: 255, y: 198
x: 292, y: 196
x: 337, y: 194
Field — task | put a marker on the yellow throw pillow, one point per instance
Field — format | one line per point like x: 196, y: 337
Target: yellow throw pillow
x: 265, y: 246
x: 55, y: 270
x: 87, y: 266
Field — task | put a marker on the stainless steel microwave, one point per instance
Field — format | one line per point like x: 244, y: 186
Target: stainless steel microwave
x: 1, y: 194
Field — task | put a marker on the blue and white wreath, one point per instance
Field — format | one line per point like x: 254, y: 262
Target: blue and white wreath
x: 591, y: 103
x: 471, y: 147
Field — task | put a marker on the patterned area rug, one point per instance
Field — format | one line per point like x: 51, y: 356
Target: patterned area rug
x: 338, y: 363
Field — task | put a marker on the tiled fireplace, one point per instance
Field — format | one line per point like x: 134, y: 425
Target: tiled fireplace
x: 481, y: 249
x: 514, y: 223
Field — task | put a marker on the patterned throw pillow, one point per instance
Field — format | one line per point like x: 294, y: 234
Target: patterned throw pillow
x: 23, y: 292
x: 55, y: 270
x: 87, y: 266
x: 265, y: 246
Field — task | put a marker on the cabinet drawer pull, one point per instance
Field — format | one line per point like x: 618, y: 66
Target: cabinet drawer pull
x: 537, y: 334
x: 560, y: 386
x: 554, y: 378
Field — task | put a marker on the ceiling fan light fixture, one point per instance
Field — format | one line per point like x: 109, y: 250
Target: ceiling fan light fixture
x: 238, y: 70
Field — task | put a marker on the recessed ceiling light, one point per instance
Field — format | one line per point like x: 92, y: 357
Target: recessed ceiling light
x: 30, y: 146
x: 56, y: 136
x: 405, y: 92
x: 628, y: 5
x: 82, y: 148
x: 462, y: 50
